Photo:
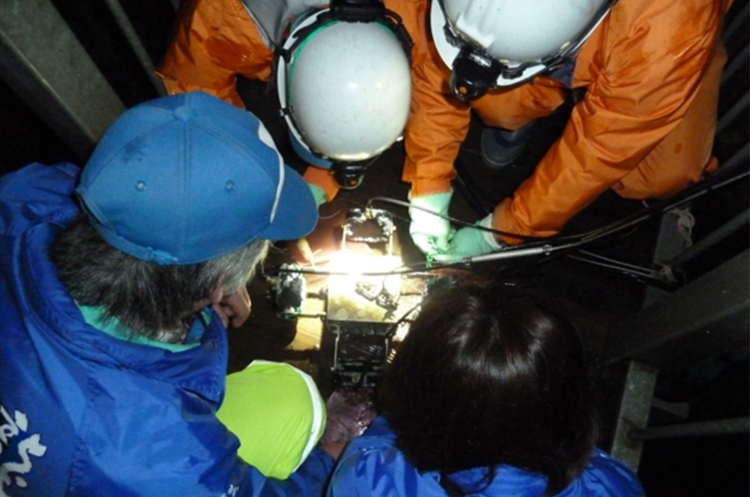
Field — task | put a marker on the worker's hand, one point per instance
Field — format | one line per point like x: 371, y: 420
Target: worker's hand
x: 318, y: 194
x: 470, y: 241
x: 234, y: 309
x: 430, y: 233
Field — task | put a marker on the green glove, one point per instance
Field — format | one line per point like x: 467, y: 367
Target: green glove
x: 431, y: 233
x: 318, y: 194
x: 470, y: 241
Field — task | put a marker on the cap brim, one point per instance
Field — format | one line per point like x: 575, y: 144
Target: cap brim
x: 296, y: 213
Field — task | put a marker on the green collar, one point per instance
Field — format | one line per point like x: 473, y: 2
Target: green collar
x: 94, y: 316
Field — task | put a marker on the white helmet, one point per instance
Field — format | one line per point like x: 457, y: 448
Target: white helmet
x: 344, y: 82
x: 490, y: 43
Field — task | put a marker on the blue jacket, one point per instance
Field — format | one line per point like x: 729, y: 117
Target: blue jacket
x: 83, y: 413
x: 372, y: 466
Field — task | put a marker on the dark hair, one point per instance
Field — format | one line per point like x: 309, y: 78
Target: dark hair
x: 145, y: 297
x: 489, y: 376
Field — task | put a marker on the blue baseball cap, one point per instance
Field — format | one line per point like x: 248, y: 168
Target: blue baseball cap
x: 187, y: 178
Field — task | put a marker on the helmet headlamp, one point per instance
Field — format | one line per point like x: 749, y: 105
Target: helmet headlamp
x: 500, y: 43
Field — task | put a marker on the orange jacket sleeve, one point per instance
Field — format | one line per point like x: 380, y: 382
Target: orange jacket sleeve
x: 215, y: 40
x: 644, y: 67
x: 438, y: 122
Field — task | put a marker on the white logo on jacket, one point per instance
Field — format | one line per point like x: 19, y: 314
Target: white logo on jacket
x: 29, y: 446
x: 232, y: 492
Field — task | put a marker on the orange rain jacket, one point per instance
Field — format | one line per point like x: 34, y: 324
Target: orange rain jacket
x: 216, y: 40
x: 645, y: 127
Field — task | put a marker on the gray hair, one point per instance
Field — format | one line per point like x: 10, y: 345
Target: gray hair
x: 145, y: 297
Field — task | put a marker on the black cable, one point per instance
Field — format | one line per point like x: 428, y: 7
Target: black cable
x: 712, y: 183
x: 543, y: 245
x: 450, y: 218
